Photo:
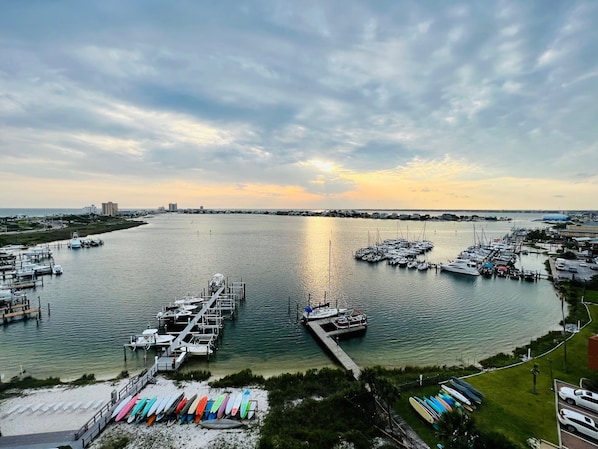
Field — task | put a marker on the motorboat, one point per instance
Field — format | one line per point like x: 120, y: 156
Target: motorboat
x: 216, y: 282
x: 150, y: 338
x: 57, y: 270
x: 423, y: 265
x: 351, y: 318
x: 75, y: 241
x: 461, y: 266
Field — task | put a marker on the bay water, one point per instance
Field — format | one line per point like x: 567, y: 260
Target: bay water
x: 110, y: 292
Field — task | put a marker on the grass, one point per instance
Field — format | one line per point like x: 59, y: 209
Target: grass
x: 511, y: 407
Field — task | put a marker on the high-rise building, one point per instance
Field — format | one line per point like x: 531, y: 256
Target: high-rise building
x: 110, y: 209
x: 172, y: 207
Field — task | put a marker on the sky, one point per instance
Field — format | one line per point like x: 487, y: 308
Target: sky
x: 299, y: 104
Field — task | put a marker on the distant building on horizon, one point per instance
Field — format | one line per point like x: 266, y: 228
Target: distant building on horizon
x: 110, y: 209
x: 172, y: 207
x: 90, y: 209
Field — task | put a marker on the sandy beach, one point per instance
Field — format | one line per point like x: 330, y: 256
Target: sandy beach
x: 68, y: 408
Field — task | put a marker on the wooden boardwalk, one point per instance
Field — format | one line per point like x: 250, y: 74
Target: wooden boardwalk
x: 333, y: 347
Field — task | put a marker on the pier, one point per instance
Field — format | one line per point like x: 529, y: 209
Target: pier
x: 328, y: 339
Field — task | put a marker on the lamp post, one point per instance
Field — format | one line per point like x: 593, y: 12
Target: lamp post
x: 551, y: 376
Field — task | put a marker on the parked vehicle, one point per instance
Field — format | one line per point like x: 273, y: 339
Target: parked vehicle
x: 580, y: 397
x: 576, y: 422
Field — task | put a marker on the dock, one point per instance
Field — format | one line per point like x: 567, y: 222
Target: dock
x: 195, y: 333
x: 328, y: 339
x: 17, y: 307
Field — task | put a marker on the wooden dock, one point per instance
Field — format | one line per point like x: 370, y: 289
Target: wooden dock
x: 16, y: 309
x: 332, y: 346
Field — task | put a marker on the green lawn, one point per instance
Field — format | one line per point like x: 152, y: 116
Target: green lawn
x: 510, y: 406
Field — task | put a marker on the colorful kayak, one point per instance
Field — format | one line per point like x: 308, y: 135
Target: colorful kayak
x: 180, y: 406
x: 127, y: 408
x: 206, y: 413
x: 146, y: 409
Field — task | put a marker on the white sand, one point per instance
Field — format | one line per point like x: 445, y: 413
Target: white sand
x: 63, y: 408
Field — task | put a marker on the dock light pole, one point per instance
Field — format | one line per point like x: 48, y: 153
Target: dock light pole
x: 551, y: 376
x: 535, y: 371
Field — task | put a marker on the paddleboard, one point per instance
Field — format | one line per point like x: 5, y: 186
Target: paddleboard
x: 465, y: 391
x: 137, y: 409
x: 127, y: 408
x: 222, y: 408
x: 206, y: 413
x: 458, y: 396
x: 154, y: 407
x: 425, y: 405
x: 216, y: 405
x: 151, y: 420
x: 193, y: 407
x: 236, y: 404
x: 444, y: 403
x: 180, y: 406
x: 421, y: 411
x: 201, y: 408
x: 229, y: 405
x: 252, y: 409
x: 467, y: 385
x: 143, y: 414
x: 245, y: 404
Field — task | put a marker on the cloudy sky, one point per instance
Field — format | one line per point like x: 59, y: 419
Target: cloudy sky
x: 299, y: 104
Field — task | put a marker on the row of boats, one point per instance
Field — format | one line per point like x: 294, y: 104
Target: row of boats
x: 77, y: 242
x: 341, y: 318
x: 454, y: 394
x: 224, y: 411
x: 398, y: 251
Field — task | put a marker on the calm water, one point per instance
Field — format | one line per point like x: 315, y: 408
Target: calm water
x: 416, y: 318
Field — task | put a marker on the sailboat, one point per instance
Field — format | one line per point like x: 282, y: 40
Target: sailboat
x: 325, y: 310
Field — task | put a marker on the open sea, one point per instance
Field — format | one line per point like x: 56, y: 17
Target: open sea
x: 110, y: 292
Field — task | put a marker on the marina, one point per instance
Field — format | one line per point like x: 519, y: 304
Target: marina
x: 285, y: 260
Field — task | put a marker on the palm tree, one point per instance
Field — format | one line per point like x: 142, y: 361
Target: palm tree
x: 456, y: 430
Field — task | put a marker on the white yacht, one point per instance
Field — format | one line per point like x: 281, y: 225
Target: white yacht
x: 216, y: 282
x: 461, y: 266
x: 75, y: 241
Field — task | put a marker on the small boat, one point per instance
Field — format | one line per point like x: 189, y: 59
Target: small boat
x: 223, y: 423
x: 150, y: 338
x: 352, y: 318
x: 57, y: 270
x: 217, y: 282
